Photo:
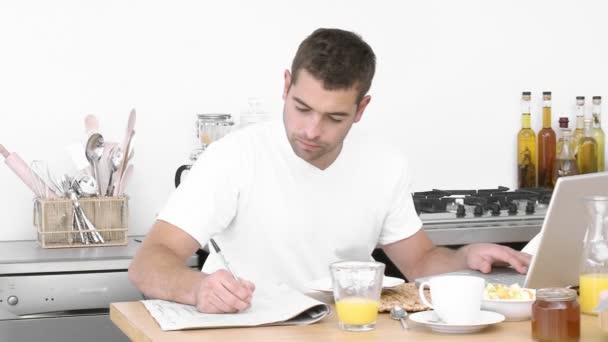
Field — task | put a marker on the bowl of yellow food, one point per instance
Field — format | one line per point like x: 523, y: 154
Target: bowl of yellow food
x: 513, y: 301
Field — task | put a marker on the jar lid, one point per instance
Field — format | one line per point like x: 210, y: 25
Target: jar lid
x: 555, y: 294
x: 213, y: 117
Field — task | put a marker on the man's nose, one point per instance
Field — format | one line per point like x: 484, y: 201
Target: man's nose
x: 313, y: 128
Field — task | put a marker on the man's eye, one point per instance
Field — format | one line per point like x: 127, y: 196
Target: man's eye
x: 304, y: 110
x: 335, y: 118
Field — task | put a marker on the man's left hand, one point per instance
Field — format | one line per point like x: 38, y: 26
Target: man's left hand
x: 482, y: 256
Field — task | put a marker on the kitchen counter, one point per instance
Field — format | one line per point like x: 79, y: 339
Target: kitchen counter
x: 133, y: 319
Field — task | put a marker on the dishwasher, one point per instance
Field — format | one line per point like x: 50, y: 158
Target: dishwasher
x: 63, y: 295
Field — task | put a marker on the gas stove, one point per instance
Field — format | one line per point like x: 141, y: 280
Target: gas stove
x: 482, y: 215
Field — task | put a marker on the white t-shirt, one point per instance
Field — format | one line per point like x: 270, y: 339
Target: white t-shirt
x: 278, y: 218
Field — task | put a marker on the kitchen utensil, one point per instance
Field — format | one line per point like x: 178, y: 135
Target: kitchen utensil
x: 126, y: 142
x: 398, y: 313
x: 83, y: 219
x: 94, y: 151
x: 85, y: 185
x: 22, y: 170
x: 43, y: 180
x: 124, y: 180
x: 115, y: 159
x: 91, y: 124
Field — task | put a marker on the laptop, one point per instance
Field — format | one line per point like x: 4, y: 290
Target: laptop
x: 560, y: 241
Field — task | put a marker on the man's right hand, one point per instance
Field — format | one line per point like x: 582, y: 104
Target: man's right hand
x: 219, y: 292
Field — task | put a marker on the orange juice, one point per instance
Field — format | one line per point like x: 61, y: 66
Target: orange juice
x: 357, y: 310
x: 590, y: 287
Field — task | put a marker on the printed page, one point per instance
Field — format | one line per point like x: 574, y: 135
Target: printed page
x: 270, y: 305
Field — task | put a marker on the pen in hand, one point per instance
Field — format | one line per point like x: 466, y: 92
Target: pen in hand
x: 221, y: 255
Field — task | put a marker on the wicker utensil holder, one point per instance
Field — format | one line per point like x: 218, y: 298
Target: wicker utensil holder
x: 53, y: 221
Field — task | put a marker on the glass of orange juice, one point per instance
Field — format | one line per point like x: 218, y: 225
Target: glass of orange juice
x: 357, y: 286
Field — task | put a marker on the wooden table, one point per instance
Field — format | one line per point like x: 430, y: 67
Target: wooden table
x: 135, y: 321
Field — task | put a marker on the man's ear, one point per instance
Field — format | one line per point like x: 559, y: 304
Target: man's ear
x: 361, y: 108
x: 287, y: 83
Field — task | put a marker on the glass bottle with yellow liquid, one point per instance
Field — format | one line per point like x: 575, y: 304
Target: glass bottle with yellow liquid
x: 594, y: 263
x: 565, y: 163
x: 598, y: 133
x: 587, y: 151
x: 546, y: 146
x: 579, y: 132
x: 526, y: 147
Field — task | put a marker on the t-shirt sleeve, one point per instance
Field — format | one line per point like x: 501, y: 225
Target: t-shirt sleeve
x: 205, y: 202
x: 401, y: 221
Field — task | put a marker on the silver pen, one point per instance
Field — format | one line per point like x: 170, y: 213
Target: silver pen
x: 221, y: 255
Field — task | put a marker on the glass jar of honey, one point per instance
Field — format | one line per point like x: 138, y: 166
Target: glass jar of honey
x: 556, y: 315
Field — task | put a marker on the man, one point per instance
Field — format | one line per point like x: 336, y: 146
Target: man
x: 285, y: 200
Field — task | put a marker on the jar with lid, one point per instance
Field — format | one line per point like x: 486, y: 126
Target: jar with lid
x: 556, y: 315
x: 211, y: 127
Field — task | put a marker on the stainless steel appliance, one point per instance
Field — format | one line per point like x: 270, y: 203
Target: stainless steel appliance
x: 457, y: 217
x: 63, y: 294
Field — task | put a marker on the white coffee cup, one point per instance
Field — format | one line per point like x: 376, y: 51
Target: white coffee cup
x: 456, y: 298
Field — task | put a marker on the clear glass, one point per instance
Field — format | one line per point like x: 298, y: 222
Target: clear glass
x: 594, y: 263
x: 357, y: 286
x: 212, y: 127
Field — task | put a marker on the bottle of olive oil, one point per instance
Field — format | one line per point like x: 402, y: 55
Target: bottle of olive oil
x: 565, y: 163
x: 598, y: 133
x: 526, y: 147
x: 587, y: 150
x: 546, y: 146
x: 579, y: 132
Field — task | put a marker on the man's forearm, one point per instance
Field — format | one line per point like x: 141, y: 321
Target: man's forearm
x: 159, y: 273
x: 441, y: 260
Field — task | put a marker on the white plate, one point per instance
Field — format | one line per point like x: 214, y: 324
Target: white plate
x: 324, y: 285
x: 429, y: 318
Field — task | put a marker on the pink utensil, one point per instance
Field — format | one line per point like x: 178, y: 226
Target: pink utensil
x: 25, y: 173
x: 91, y: 124
x: 126, y: 144
x: 124, y: 180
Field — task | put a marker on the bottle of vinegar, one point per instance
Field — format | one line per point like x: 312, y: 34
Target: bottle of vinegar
x: 565, y: 163
x: 546, y: 146
x: 526, y: 147
x: 598, y: 133
x: 587, y: 151
x: 579, y: 132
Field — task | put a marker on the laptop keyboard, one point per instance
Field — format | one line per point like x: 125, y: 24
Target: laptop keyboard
x: 499, y: 275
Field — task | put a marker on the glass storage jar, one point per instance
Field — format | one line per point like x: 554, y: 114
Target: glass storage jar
x: 211, y: 127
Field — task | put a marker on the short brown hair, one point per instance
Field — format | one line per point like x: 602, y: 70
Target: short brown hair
x: 338, y: 58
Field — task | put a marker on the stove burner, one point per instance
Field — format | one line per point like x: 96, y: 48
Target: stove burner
x: 482, y: 201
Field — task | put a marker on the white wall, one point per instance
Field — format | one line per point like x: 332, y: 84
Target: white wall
x: 450, y: 74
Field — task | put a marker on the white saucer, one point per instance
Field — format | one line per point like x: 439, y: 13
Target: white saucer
x: 325, y: 285
x: 429, y: 318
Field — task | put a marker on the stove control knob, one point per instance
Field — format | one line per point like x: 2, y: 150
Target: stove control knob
x: 478, y: 211
x: 460, y: 211
x: 12, y: 300
x: 530, y: 207
x: 512, y: 208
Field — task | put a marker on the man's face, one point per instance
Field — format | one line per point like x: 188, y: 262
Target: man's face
x: 317, y: 120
